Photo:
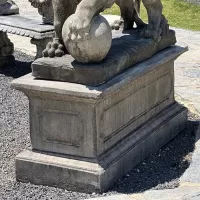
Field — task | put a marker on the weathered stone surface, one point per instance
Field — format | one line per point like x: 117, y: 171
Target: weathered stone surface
x: 41, y: 34
x: 6, y: 49
x: 91, y: 175
x: 135, y: 113
x: 24, y: 26
x: 6, y: 46
x: 127, y: 49
x: 84, y: 11
x: 40, y: 45
x: 45, y: 8
x: 3, y: 1
x: 93, y: 49
x: 8, y: 7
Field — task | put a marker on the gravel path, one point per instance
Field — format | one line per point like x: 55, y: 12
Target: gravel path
x: 161, y: 170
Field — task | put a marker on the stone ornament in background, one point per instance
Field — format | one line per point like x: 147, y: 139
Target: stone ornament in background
x: 6, y: 46
x: 6, y: 49
x: 8, y: 7
x: 45, y: 9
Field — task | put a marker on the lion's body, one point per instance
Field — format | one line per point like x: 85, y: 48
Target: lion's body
x: 85, y: 10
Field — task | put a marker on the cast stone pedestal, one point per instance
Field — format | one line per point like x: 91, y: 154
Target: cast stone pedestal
x: 85, y: 138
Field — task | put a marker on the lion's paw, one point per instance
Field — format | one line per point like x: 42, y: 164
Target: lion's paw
x: 54, y: 49
x: 79, y: 27
x: 149, y: 32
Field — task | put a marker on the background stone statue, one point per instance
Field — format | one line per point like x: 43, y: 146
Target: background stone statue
x: 45, y: 8
x: 8, y: 7
x: 6, y: 46
x: 85, y: 10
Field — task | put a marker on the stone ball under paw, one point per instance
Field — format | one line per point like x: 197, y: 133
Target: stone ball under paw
x: 95, y: 47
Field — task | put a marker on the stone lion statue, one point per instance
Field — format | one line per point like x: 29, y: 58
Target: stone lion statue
x: 85, y: 10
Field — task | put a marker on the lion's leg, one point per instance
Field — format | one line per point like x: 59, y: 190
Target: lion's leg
x: 79, y: 26
x: 127, y: 14
x: 139, y: 22
x: 130, y: 10
x: 154, y: 11
x: 62, y: 10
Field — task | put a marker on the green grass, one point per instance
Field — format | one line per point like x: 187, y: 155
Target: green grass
x: 179, y: 14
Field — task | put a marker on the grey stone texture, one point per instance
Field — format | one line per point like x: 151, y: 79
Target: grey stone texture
x: 93, y: 49
x: 85, y: 138
x: 3, y: 1
x: 127, y: 49
x: 84, y: 12
x: 45, y: 8
x: 41, y: 34
x: 6, y: 49
x: 6, y: 46
x: 8, y: 7
x: 186, y: 85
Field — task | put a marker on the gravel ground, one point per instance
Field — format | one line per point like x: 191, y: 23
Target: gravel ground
x: 159, y: 171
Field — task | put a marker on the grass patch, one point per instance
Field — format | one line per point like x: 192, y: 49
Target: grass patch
x: 179, y: 14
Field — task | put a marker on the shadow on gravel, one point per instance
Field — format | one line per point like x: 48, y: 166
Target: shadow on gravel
x: 21, y: 66
x: 163, y: 169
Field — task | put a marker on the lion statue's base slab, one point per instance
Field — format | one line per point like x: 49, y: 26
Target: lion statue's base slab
x: 127, y: 49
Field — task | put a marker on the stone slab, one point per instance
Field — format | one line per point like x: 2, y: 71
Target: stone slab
x: 127, y: 49
x: 3, y: 1
x: 79, y: 90
x: 33, y: 28
x: 71, y: 173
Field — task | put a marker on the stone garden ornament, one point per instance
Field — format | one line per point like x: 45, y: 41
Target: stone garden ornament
x: 92, y: 121
x: 45, y: 8
x: 82, y: 32
x: 8, y: 7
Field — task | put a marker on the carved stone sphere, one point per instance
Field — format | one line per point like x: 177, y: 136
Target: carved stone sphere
x: 93, y: 48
